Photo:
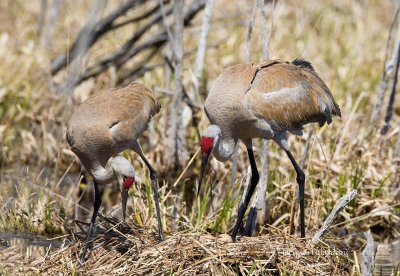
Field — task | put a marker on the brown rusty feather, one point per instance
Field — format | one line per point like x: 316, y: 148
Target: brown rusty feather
x: 285, y: 95
x: 290, y: 95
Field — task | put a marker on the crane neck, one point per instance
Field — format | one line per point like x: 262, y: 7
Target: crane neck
x: 101, y: 174
x: 224, y: 148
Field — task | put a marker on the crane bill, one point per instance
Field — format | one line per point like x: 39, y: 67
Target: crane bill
x: 124, y: 199
x: 204, y: 161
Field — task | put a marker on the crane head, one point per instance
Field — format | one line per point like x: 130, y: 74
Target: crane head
x: 128, y: 182
x: 125, y: 174
x: 207, y: 143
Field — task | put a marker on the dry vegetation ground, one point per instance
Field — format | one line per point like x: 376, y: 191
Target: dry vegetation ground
x: 345, y: 41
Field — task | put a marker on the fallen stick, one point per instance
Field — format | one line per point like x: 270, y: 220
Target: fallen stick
x: 343, y: 201
x: 368, y: 255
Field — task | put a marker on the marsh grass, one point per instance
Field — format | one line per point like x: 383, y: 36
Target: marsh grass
x: 344, y: 40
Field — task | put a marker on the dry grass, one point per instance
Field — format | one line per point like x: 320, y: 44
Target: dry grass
x: 136, y: 251
x: 345, y: 41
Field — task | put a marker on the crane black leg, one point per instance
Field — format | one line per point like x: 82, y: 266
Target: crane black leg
x: 253, y: 183
x: 96, y: 207
x: 301, y: 179
x: 250, y: 225
x: 154, y: 187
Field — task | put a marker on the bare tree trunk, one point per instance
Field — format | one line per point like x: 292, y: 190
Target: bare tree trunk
x: 397, y: 148
x: 46, y: 39
x: 389, y: 110
x: 387, y: 69
x: 262, y: 200
x: 248, y: 60
x: 208, y: 12
x: 41, y: 18
x: 176, y: 137
x: 83, y: 45
x: 250, y: 32
x: 166, y: 26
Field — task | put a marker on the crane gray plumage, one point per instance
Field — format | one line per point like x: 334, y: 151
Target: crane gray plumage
x: 264, y: 100
x: 284, y: 95
x: 105, y: 125
x: 109, y: 122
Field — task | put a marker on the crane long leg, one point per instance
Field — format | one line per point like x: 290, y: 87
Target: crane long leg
x: 301, y: 178
x: 154, y: 186
x: 250, y: 225
x: 250, y: 191
x: 96, y: 207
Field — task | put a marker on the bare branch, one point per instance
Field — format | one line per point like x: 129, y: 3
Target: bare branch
x: 343, y: 201
x: 203, y: 38
x: 249, y: 32
x: 387, y: 67
x: 83, y: 45
x: 127, y: 51
x: 46, y: 41
x: 389, y: 110
x: 166, y: 26
x: 306, y: 148
x: 235, y: 165
x: 137, y: 18
x: 262, y: 190
x: 140, y: 69
x: 41, y: 18
x: 96, y: 31
x: 176, y: 135
x: 264, y: 40
x: 248, y: 50
x: 262, y: 202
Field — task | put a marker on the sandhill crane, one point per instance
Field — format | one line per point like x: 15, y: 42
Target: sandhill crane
x: 265, y: 101
x: 105, y: 125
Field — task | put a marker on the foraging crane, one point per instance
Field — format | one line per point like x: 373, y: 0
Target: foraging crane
x: 265, y: 101
x: 105, y: 125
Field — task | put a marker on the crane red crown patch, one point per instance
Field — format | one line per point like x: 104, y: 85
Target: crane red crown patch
x: 128, y: 182
x: 206, y: 144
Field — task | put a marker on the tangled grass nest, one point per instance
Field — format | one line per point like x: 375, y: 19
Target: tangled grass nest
x: 132, y: 250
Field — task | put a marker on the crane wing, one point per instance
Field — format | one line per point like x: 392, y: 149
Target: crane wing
x: 289, y: 95
x: 114, y: 118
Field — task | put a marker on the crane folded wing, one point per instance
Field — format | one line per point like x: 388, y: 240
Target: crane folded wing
x: 289, y: 96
